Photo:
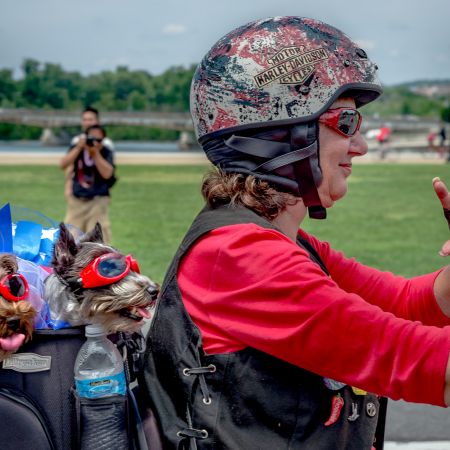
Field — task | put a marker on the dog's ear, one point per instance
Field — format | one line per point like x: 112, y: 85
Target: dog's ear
x: 8, y: 264
x: 64, y: 251
x: 95, y: 235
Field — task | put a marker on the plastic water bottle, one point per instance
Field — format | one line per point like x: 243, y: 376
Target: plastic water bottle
x: 99, y: 370
x: 101, y: 386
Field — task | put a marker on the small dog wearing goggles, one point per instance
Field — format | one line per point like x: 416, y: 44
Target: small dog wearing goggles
x: 94, y: 283
x: 16, y: 313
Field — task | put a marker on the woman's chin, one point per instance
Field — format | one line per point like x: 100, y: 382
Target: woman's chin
x: 328, y: 197
x: 329, y: 200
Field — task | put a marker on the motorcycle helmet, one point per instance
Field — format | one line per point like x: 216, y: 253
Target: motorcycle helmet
x: 257, y: 94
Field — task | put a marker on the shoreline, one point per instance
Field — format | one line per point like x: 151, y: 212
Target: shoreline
x: 121, y: 158
x: 199, y: 158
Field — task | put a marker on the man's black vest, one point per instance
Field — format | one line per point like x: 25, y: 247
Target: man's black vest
x: 243, y: 400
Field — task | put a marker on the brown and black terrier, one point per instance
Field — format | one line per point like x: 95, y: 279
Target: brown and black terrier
x: 94, y: 283
x: 16, y: 313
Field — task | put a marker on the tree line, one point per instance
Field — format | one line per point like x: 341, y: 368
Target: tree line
x: 50, y: 86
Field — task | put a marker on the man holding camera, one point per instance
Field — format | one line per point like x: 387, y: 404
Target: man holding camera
x: 90, y: 116
x: 93, y: 176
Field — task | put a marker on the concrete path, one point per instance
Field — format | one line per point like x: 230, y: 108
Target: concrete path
x: 122, y: 158
x: 198, y: 157
x: 437, y: 445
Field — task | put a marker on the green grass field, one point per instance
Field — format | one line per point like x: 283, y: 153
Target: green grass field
x: 390, y: 218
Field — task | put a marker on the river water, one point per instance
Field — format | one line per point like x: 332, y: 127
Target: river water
x: 120, y: 146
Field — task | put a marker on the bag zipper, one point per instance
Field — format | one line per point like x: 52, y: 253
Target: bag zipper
x: 22, y: 399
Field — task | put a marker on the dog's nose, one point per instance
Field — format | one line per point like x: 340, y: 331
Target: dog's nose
x: 13, y: 324
x: 153, y: 291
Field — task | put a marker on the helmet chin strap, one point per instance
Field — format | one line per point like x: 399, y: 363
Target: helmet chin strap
x: 291, y: 165
x: 307, y: 171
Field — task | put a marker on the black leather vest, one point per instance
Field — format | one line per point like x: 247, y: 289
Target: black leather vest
x: 243, y: 400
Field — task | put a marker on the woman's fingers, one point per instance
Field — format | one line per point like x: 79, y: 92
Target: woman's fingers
x: 442, y: 192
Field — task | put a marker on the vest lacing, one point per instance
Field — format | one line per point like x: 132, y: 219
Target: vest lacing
x: 193, y: 433
x: 200, y: 371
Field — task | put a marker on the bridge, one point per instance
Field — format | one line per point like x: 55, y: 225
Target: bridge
x: 408, y: 128
x: 59, y: 118
x: 50, y: 119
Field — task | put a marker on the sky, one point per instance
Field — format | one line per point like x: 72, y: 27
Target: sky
x: 408, y: 39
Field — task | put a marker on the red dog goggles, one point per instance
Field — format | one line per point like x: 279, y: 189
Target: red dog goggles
x: 107, y: 269
x: 14, y: 287
x: 345, y: 121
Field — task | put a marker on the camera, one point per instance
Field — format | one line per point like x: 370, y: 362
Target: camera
x: 90, y: 141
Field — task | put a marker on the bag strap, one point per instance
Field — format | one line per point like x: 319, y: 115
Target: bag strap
x: 137, y: 423
x: 132, y: 347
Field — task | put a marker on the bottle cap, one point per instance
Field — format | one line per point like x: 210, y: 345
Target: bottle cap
x: 94, y: 330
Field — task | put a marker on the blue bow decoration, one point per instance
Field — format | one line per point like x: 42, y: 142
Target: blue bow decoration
x: 29, y: 240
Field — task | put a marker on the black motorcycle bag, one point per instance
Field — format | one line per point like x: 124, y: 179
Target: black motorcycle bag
x: 36, y: 402
x: 38, y: 408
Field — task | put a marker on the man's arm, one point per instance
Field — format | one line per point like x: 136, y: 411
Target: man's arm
x: 70, y: 157
x: 104, y: 167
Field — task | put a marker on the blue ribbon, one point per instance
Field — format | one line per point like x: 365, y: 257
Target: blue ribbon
x: 27, y: 240
x: 6, y: 240
x: 48, y: 238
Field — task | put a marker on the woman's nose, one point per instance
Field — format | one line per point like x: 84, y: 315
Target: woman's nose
x: 358, y: 145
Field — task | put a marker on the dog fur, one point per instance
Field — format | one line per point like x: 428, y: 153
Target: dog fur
x: 16, y: 318
x: 121, y: 306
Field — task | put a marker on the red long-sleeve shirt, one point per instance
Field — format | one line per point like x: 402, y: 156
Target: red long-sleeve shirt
x: 247, y: 286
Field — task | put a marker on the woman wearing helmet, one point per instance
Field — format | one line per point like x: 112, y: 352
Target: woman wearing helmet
x: 264, y: 336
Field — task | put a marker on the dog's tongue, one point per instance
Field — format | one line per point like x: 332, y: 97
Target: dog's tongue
x: 144, y: 313
x: 13, y: 342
